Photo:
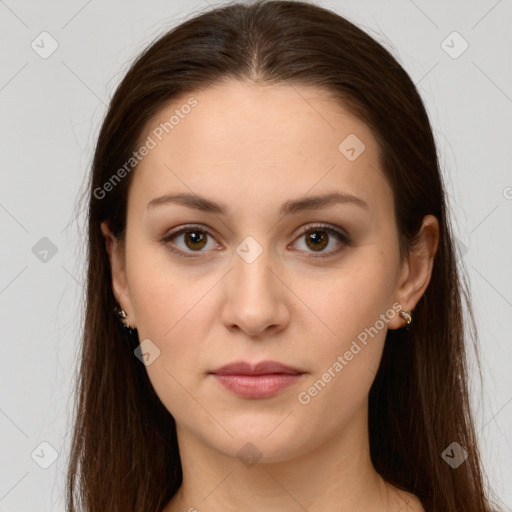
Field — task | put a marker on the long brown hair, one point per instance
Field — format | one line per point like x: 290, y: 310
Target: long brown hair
x: 124, y: 454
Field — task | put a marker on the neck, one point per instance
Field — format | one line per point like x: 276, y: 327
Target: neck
x: 337, y: 475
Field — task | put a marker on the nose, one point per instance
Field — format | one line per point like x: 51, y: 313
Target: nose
x: 255, y: 297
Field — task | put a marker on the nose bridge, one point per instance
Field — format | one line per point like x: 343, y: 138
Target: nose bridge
x: 254, y: 296
x: 252, y: 267
x: 252, y: 271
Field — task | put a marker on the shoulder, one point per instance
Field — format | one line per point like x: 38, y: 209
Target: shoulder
x: 409, y: 502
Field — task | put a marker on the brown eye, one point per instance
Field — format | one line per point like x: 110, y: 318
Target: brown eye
x: 194, y: 240
x: 317, y: 238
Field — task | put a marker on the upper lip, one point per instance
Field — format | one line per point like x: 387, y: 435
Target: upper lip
x: 261, y: 368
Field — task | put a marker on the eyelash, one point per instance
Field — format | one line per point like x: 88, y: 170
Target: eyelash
x: 318, y: 227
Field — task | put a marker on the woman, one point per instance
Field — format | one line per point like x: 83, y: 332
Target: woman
x: 274, y: 314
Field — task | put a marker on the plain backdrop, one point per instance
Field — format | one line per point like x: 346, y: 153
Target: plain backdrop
x: 51, y: 109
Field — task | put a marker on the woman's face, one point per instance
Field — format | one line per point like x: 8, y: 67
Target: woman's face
x: 250, y: 283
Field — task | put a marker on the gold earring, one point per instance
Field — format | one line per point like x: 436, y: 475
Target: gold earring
x: 406, y: 315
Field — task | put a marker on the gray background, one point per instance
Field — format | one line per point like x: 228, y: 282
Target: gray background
x: 51, y: 110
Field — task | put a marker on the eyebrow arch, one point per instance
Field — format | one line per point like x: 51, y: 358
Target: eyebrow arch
x: 317, y: 202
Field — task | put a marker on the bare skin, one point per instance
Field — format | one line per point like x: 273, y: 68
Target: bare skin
x: 253, y: 148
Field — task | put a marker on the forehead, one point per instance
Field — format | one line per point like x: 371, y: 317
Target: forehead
x: 244, y: 140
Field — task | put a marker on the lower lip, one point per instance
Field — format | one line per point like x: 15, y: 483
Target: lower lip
x: 257, y: 386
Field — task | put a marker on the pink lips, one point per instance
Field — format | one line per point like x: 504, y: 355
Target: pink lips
x: 262, y: 380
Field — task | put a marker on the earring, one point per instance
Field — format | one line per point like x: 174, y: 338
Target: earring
x: 406, y: 315
x: 121, y: 314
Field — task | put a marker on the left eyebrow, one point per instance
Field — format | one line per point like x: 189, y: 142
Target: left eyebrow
x: 322, y: 201
x: 317, y: 202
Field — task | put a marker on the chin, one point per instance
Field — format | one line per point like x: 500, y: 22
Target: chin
x: 260, y: 444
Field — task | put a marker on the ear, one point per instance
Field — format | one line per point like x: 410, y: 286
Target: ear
x: 118, y: 271
x: 417, y: 269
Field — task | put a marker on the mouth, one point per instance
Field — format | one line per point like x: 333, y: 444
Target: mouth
x: 261, y: 380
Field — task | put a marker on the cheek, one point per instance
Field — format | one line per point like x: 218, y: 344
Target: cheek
x: 352, y: 310
x: 163, y: 294
x: 174, y: 309
x: 351, y: 297
x: 171, y: 308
